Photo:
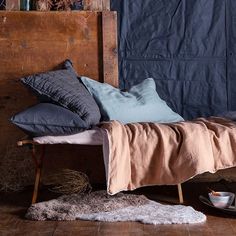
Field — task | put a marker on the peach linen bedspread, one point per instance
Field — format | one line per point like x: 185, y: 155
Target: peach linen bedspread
x: 142, y: 154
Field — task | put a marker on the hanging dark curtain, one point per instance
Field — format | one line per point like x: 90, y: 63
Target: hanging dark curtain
x: 187, y: 46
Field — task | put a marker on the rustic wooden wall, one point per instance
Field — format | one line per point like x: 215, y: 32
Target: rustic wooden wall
x: 32, y: 42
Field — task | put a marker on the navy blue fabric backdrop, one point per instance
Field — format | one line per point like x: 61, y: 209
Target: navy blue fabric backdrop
x: 187, y: 46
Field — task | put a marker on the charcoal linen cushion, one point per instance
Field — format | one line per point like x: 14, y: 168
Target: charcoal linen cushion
x: 64, y: 88
x: 48, y: 119
x: 140, y: 104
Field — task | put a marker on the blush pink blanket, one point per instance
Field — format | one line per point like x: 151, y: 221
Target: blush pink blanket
x: 143, y: 154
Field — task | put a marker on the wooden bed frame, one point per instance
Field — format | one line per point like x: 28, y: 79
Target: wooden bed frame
x: 39, y: 164
x: 33, y: 42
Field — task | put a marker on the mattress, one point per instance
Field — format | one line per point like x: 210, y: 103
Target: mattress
x: 88, y: 137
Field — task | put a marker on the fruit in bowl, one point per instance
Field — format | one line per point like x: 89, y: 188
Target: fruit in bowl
x: 221, y: 199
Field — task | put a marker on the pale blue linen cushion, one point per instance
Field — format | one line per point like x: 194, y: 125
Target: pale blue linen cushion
x: 140, y: 104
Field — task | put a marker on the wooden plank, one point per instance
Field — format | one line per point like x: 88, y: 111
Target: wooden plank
x: 91, y: 5
x: 14, y: 205
x: 35, y: 41
x: 110, y: 50
x: 12, y: 5
x: 97, y: 5
x: 106, y: 5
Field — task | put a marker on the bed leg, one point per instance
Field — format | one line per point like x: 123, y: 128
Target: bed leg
x: 180, y: 193
x: 36, y: 185
x: 38, y: 171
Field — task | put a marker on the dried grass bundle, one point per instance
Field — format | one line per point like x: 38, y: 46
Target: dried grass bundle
x: 16, y: 170
x: 70, y: 181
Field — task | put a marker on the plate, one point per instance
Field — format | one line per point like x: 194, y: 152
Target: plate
x: 230, y: 210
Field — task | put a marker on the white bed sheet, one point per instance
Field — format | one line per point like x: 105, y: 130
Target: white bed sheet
x: 88, y: 137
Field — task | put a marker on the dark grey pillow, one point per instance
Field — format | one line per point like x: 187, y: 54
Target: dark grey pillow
x: 64, y: 88
x: 48, y: 119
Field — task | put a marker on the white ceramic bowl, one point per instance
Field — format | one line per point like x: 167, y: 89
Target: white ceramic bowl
x: 223, y: 201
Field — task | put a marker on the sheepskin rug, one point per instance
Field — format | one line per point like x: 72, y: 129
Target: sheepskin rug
x: 99, y: 206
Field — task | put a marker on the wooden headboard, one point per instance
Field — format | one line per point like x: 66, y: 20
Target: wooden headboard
x: 32, y: 42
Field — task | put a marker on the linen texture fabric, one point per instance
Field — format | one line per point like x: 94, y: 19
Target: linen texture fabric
x: 64, y: 88
x: 140, y: 104
x: 48, y: 119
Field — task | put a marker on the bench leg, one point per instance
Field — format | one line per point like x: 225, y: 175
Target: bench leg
x: 180, y: 193
x: 36, y: 185
x: 38, y: 171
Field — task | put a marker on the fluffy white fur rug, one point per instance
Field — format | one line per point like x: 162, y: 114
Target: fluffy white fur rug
x: 121, y: 207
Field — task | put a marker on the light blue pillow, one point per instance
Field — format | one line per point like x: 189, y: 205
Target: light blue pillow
x: 140, y: 104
